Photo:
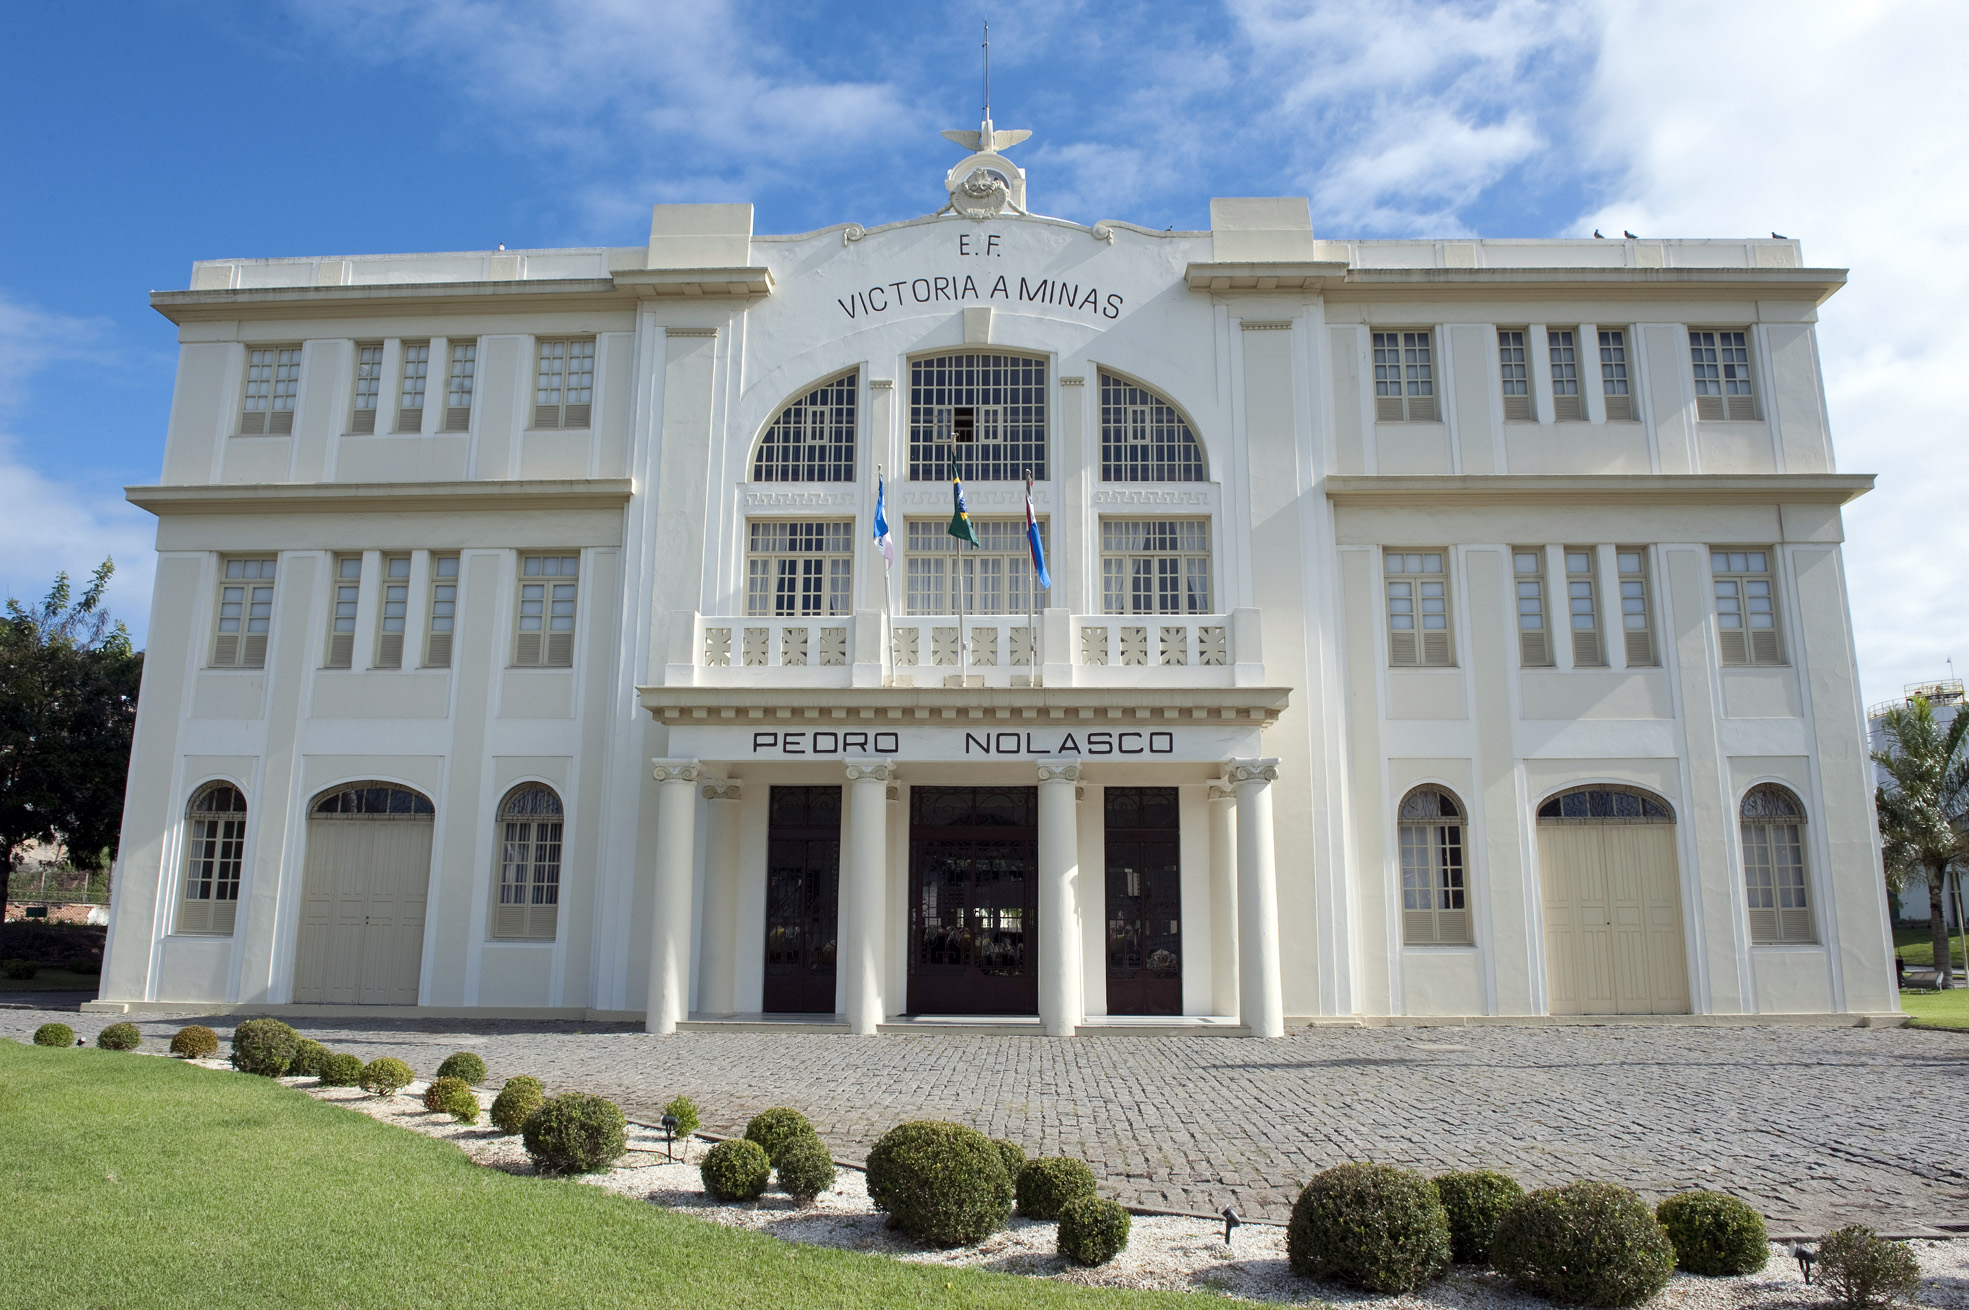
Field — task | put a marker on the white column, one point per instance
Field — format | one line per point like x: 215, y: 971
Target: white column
x: 859, y: 963
x: 670, y: 915
x: 1059, y: 926
x: 1261, y: 1001
x: 1223, y: 900
x: 717, y: 968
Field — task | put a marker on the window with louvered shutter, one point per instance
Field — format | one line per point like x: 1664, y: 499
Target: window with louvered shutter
x: 1568, y: 402
x: 344, y: 597
x: 1774, y: 867
x: 546, y: 611
x: 1636, y: 625
x: 1534, y: 641
x: 1720, y: 362
x: 1514, y: 371
x: 273, y: 381
x: 1430, y: 832
x: 368, y: 389
x: 459, y: 381
x: 1143, y: 437
x: 1418, y: 608
x: 1746, y: 607
x: 530, y: 827
x: 1155, y: 566
x: 396, y: 609
x: 414, y: 374
x: 564, y: 384
x: 795, y: 567
x: 1404, y: 377
x: 444, y: 611
x: 1614, y: 383
x: 215, y: 848
x: 1583, y: 607
x: 245, y: 614
x: 813, y: 439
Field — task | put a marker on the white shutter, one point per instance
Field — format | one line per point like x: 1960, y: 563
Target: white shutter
x: 1640, y: 649
x: 1532, y: 650
x: 1387, y: 409
x: 194, y: 916
x: 1795, y: 925
x: 1517, y: 409
x: 542, y: 922
x: 560, y: 650
x: 1734, y: 650
x: 253, y: 423
x: 1422, y: 409
x: 509, y: 921
x: 1435, y: 648
x: 1763, y: 926
x: 546, y: 416
x: 1418, y: 928
x: 1569, y: 409
x: 254, y: 655
x: 1764, y: 647
x: 1586, y: 649
x: 1620, y: 408
x: 1453, y: 927
x: 528, y: 651
x: 363, y: 423
x: 341, y: 650
x: 577, y: 416
x: 223, y: 914
x: 410, y: 421
x: 1709, y: 408
x: 1401, y: 648
x: 225, y: 651
x: 389, y: 651
x: 1740, y: 408
x: 457, y: 418
x: 281, y: 422
x: 438, y: 654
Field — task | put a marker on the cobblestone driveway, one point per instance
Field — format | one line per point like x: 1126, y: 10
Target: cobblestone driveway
x: 1815, y: 1126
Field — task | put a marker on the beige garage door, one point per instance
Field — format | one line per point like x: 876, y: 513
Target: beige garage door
x: 364, y: 887
x: 1613, y: 905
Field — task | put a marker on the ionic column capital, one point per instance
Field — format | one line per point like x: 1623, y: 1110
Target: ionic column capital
x: 1238, y: 772
x: 675, y: 770
x: 872, y: 771
x: 1221, y: 792
x: 724, y: 789
x: 1059, y: 770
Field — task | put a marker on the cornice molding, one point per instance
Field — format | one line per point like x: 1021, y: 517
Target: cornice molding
x: 388, y: 497
x: 1339, y: 282
x: 621, y: 290
x: 1608, y: 489
x: 962, y: 706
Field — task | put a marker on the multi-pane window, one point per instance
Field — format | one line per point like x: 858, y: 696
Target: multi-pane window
x: 396, y: 611
x: 813, y: 439
x: 1615, y: 385
x: 1513, y: 368
x: 1583, y: 607
x: 347, y: 594
x: 1434, y: 912
x: 1404, y: 377
x: 369, y: 389
x: 530, y: 822
x: 546, y: 615
x: 245, y: 614
x: 1746, y: 613
x: 273, y: 381
x: 1418, y: 607
x: 798, y: 568
x: 1721, y: 363
x: 1635, y: 624
x: 444, y: 611
x: 1143, y: 438
x: 986, y: 411
x: 564, y: 384
x: 1534, y: 638
x: 1568, y: 402
x: 1155, y: 566
x: 996, y: 574
x: 1774, y: 867
x: 458, y: 386
x: 215, y: 852
x: 413, y: 375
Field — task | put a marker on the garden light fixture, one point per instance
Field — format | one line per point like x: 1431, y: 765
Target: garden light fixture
x: 1804, y: 1257
x: 1231, y: 1220
x: 669, y: 1135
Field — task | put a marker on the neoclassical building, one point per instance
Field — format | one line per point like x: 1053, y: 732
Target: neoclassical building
x: 1437, y: 629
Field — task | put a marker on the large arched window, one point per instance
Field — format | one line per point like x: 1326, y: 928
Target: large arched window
x: 1774, y: 866
x: 529, y: 903
x: 215, y: 849
x: 1435, y: 911
x: 1143, y: 437
x: 986, y: 411
x: 813, y: 439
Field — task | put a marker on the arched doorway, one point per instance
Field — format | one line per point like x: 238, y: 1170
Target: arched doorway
x: 364, y: 888
x: 1613, y: 903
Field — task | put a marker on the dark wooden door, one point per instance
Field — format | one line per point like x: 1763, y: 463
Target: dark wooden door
x: 1144, y: 902
x: 803, y: 898
x: 973, y: 900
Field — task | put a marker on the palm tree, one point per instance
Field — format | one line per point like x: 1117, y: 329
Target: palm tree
x: 1924, y: 807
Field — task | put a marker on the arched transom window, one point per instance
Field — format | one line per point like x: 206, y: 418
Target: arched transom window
x: 813, y: 439
x: 529, y: 902
x: 1143, y: 438
x: 1605, y: 805
x: 1434, y: 908
x: 374, y: 800
x: 1774, y: 866
x: 986, y: 411
x: 215, y: 849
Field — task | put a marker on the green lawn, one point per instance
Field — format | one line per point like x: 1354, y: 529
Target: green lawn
x: 1949, y: 1009
x: 50, y: 979
x: 1916, y: 946
x: 133, y: 1180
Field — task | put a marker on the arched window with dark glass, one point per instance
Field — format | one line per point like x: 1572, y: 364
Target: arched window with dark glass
x: 1144, y: 438
x: 1605, y: 805
x: 215, y: 854
x: 1435, y: 904
x: 986, y: 411
x: 529, y: 903
x: 813, y: 439
x: 1773, y: 826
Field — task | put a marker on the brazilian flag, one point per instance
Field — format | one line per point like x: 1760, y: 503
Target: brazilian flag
x: 961, y: 526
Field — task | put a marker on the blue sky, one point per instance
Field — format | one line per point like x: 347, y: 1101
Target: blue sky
x: 141, y: 136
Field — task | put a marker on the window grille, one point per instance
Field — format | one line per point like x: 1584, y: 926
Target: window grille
x: 1155, y: 566
x: 342, y: 615
x: 373, y: 800
x: 273, y: 380
x: 798, y: 568
x: 1613, y: 377
x: 1746, y: 613
x: 444, y: 611
x: 458, y: 386
x: 564, y: 384
x: 1583, y: 607
x: 1513, y: 368
x: 1430, y: 828
x: 369, y: 389
x: 1143, y: 438
x: 997, y: 574
x: 1568, y: 404
x: 1534, y: 641
x: 547, y: 594
x: 215, y: 852
x: 1774, y: 867
x: 1605, y: 805
x: 1418, y: 608
x: 1404, y: 378
x: 396, y: 608
x: 987, y: 411
x: 530, y: 823
x: 1721, y: 362
x: 414, y: 374
x: 1636, y: 626
x: 245, y: 614
x: 813, y: 439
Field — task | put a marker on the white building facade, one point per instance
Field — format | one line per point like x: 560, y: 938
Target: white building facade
x: 1438, y: 629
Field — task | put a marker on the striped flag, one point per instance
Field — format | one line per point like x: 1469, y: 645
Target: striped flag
x: 883, y: 542
x: 1039, y: 572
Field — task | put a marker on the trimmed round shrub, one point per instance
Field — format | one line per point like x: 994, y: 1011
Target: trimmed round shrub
x: 805, y: 1169
x: 1093, y: 1230
x: 264, y: 1046
x: 942, y: 1183
x: 686, y: 1111
x: 1372, y: 1225
x: 19, y: 970
x: 1475, y: 1201
x: 1862, y: 1269
x: 774, y: 1128
x: 1046, y: 1184
x: 1714, y: 1234
x: 1012, y: 1156
x: 439, y: 1088
x: 576, y: 1133
x: 340, y: 1069
x: 195, y: 1043
x: 386, y: 1076
x: 516, y: 1102
x: 308, y: 1057
x: 452, y: 1096
x: 54, y: 1034
x: 466, y: 1066
x: 120, y: 1037
x: 737, y: 1170
x: 1584, y: 1244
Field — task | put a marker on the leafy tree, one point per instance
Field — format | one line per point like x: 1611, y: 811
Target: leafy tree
x: 1924, y: 807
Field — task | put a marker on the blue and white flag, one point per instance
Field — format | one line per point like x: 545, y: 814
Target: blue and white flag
x: 883, y: 542
x: 1032, y: 539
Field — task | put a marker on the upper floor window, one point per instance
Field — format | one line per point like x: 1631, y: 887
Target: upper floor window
x: 1635, y: 606
x: 1568, y: 402
x: 1143, y: 438
x: 1774, y: 867
x: 1418, y: 607
x: 413, y: 375
x: 798, y: 568
x: 1534, y: 640
x: 273, y: 381
x: 215, y: 853
x: 342, y: 614
x: 1746, y: 612
x: 1615, y: 385
x: 546, y: 612
x: 1512, y: 368
x: 369, y: 389
x: 1404, y: 377
x: 564, y: 384
x: 396, y: 611
x: 530, y: 823
x: 1155, y: 566
x: 245, y: 614
x: 813, y: 439
x: 996, y: 576
x: 1721, y: 362
x: 444, y: 611
x: 986, y: 411
x: 458, y: 386
x: 1434, y: 912
x: 1583, y: 606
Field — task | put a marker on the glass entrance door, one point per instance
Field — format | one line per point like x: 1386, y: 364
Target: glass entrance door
x: 803, y: 879
x: 1145, y: 901
x: 973, y: 896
